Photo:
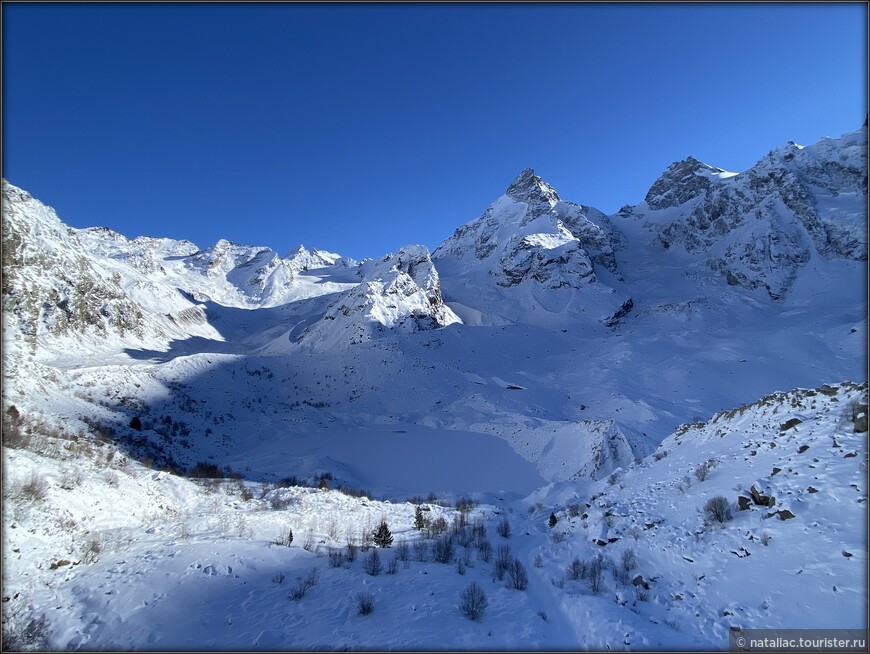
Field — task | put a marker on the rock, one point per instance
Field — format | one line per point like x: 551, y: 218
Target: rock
x: 640, y: 581
x: 789, y: 424
x: 850, y: 455
x: 848, y: 555
x: 743, y: 502
x: 775, y: 471
x: 761, y: 498
x: 784, y: 514
x: 803, y: 448
x: 59, y: 564
x: 810, y: 489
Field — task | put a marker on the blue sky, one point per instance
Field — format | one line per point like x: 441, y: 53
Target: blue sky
x: 362, y: 128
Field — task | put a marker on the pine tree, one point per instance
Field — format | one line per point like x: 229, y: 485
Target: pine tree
x: 382, y: 535
x: 553, y: 520
x: 419, y: 522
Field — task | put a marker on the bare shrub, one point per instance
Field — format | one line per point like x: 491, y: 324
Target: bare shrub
x: 92, y: 549
x: 595, y: 575
x: 365, y: 603
x: 502, y: 561
x: 573, y: 510
x: 717, y: 510
x: 628, y: 560
x: 308, y: 544
x: 442, y: 549
x: 351, y: 551
x: 111, y: 478
x: 304, y: 585
x: 403, y: 551
x: 372, y: 564
x: 71, y: 477
x: 559, y: 536
x: 576, y: 570
x: 702, y: 471
x: 30, y: 636
x: 35, y: 488
x: 420, y: 550
x: 336, y: 557
x: 539, y: 561
x: 517, y: 576
x: 279, y: 578
x: 473, y: 602
x: 393, y: 566
x: 285, y: 537
x: 504, y: 528
x: 484, y: 551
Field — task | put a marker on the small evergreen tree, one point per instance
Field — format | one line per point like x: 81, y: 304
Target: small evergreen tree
x: 382, y: 535
x: 419, y: 522
x: 553, y: 520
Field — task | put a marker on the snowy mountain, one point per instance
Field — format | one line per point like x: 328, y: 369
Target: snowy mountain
x: 546, y: 358
x: 760, y: 228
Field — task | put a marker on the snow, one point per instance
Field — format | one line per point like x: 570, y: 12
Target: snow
x: 545, y: 359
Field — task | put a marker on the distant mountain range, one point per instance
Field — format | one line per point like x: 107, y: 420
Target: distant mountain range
x: 641, y: 316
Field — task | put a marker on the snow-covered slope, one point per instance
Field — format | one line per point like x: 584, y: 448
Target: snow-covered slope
x: 101, y: 553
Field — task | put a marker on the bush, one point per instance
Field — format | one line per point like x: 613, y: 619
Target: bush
x: 576, y: 570
x: 403, y: 551
x: 336, y: 557
x: 372, y: 564
x: 473, y: 602
x: 285, y: 537
x: 304, y: 585
x: 32, y: 636
x: 35, y: 488
x: 420, y: 550
x: 595, y: 573
x: 518, y: 578
x: 365, y: 603
x: 553, y: 520
x: 351, y: 551
x: 206, y: 470
x: 393, y: 566
x: 419, y: 522
x: 484, y: 551
x: 502, y: 561
x: 442, y: 549
x: 702, y: 471
x: 717, y: 510
x: 504, y: 528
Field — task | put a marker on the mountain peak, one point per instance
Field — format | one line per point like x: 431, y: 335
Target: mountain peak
x: 529, y: 188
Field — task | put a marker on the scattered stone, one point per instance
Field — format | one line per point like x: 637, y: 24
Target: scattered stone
x: 848, y: 555
x: 688, y: 559
x: 761, y: 498
x: 59, y: 564
x: 784, y: 514
x: 803, y: 448
x: 789, y: 424
x: 830, y: 391
x: 810, y: 489
x: 850, y: 455
x: 775, y: 471
x: 640, y: 581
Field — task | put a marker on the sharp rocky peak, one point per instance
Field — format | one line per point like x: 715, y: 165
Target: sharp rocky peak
x: 530, y: 188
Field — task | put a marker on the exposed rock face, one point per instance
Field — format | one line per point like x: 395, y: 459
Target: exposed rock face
x: 760, y: 227
x: 531, y: 235
x: 401, y: 291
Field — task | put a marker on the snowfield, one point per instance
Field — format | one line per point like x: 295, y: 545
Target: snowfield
x: 636, y: 432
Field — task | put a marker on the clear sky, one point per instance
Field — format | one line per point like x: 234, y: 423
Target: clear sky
x: 362, y: 128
